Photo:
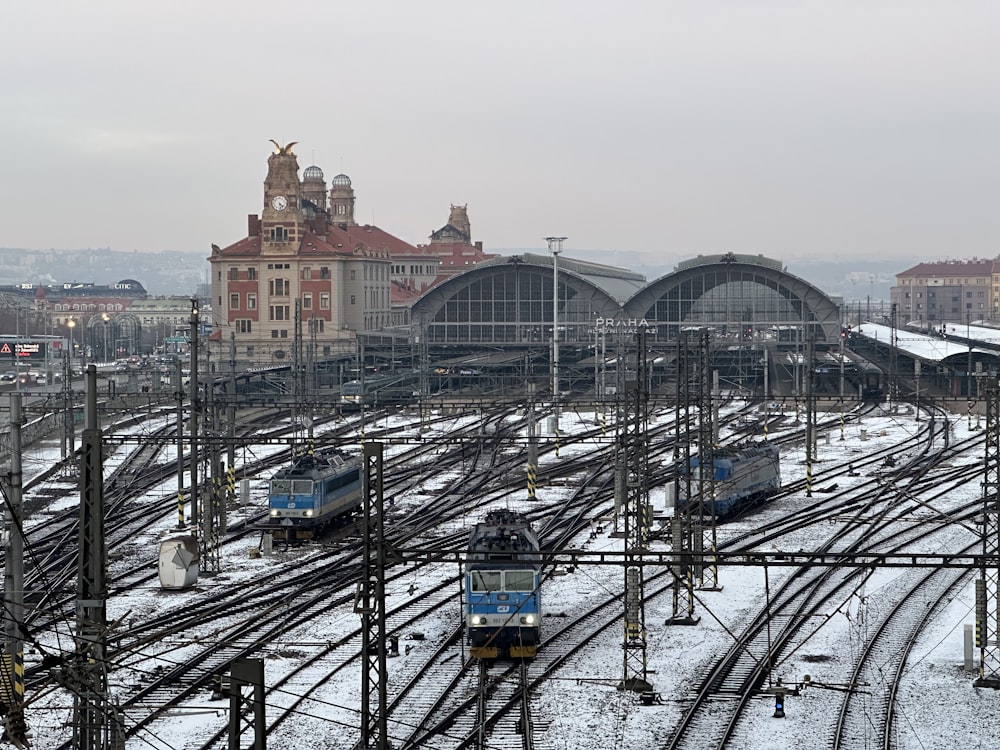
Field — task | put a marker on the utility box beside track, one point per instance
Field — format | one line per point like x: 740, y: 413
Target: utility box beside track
x: 178, y: 562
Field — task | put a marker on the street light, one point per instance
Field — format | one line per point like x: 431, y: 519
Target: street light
x: 555, y: 247
x: 71, y: 324
x: 107, y: 319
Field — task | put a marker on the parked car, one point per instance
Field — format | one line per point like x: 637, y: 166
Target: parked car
x: 8, y: 377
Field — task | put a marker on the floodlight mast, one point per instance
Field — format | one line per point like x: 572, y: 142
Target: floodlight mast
x: 555, y: 247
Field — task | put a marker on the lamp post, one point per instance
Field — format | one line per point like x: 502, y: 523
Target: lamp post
x: 71, y: 324
x: 555, y: 247
x: 107, y: 319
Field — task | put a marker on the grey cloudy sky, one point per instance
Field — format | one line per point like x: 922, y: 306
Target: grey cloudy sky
x: 864, y: 129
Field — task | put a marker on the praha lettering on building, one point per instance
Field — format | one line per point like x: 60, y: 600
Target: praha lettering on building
x: 623, y: 325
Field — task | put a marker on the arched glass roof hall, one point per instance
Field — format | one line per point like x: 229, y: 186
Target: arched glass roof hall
x: 508, y: 302
x: 736, y: 296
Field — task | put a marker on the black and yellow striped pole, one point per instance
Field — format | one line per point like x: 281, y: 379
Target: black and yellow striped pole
x: 180, y: 508
x: 532, y: 444
x: 231, y: 484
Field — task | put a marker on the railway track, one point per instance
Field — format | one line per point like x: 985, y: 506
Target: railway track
x: 469, y: 470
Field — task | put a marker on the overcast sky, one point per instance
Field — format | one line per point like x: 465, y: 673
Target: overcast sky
x: 791, y: 128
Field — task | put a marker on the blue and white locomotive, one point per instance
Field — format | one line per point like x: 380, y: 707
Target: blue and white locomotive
x: 502, y: 601
x: 741, y: 478
x: 311, y: 492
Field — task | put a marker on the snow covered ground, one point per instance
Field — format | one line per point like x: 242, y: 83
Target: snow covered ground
x: 938, y: 707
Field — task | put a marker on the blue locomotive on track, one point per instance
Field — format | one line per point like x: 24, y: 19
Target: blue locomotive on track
x: 740, y: 478
x: 502, y: 602
x: 311, y: 492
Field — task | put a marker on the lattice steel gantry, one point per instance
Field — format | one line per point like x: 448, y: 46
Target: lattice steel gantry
x: 988, y: 583
x: 632, y: 436
x: 682, y: 525
x: 370, y: 603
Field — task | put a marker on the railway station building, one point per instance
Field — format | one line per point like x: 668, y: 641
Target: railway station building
x: 745, y: 305
x: 307, y: 275
x: 307, y: 271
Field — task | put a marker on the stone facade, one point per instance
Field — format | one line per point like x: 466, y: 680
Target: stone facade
x: 304, y: 269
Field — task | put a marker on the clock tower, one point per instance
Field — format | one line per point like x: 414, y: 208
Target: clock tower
x: 281, y: 220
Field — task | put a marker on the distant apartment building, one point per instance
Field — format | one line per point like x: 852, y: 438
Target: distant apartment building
x: 948, y: 291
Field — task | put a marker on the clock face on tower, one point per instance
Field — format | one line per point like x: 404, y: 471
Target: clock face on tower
x: 279, y: 203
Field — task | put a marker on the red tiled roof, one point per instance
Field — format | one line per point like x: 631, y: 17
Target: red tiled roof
x: 246, y: 246
x: 338, y: 241
x: 953, y: 268
x: 401, y: 293
x: 458, y: 255
x: 375, y: 238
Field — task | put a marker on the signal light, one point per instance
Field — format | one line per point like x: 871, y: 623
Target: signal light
x: 779, y: 706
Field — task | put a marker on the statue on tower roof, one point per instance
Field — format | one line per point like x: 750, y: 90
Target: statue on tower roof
x: 283, y: 150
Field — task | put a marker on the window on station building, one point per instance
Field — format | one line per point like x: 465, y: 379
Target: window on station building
x: 278, y: 287
x: 352, y: 299
x: 324, y: 272
x: 306, y: 273
x: 251, y: 301
x: 307, y: 301
x: 278, y: 234
x: 234, y: 273
x: 252, y: 273
x: 234, y: 301
x: 244, y: 325
x: 324, y: 301
x: 279, y: 312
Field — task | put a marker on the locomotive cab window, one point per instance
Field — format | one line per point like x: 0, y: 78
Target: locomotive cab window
x: 485, y: 580
x: 281, y: 487
x: 302, y: 487
x: 519, y: 580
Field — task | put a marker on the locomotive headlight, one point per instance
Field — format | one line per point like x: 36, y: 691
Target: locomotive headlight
x: 478, y: 620
x: 528, y: 620
x: 309, y: 513
x: 275, y: 513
